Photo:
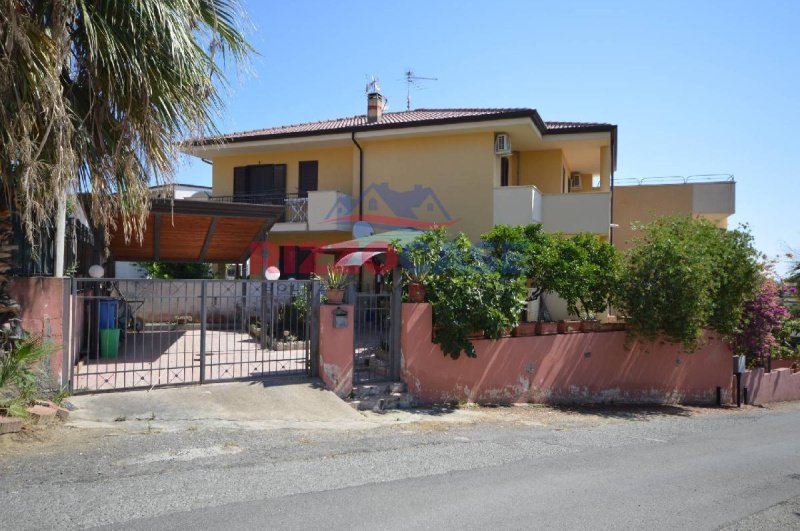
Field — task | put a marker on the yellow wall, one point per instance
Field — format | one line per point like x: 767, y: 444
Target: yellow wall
x: 335, y: 168
x: 459, y: 169
x: 641, y: 204
x: 541, y: 169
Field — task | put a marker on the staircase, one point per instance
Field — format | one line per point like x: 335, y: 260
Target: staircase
x: 381, y: 396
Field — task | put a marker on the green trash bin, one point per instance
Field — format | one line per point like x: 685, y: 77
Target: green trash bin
x: 109, y: 342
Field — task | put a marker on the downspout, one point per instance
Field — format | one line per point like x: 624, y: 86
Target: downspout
x: 360, y: 176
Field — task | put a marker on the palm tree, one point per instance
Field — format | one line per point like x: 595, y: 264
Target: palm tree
x: 94, y: 95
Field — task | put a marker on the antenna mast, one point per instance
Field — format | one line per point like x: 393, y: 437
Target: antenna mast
x: 412, y: 80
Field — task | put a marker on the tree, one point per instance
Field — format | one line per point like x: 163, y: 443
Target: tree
x: 94, y: 96
x: 587, y: 273
x: 762, y: 318
x: 684, y: 275
x: 173, y: 270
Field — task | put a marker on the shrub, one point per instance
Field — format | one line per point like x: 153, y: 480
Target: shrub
x: 684, y: 275
x: 762, y: 317
x: 586, y: 273
x: 19, y: 377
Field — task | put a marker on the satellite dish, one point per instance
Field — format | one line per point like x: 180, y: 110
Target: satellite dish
x: 362, y: 229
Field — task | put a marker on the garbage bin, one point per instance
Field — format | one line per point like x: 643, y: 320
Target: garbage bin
x: 109, y: 342
x: 107, y: 313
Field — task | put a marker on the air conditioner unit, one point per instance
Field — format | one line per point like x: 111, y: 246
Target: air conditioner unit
x: 502, y: 144
x: 575, y: 181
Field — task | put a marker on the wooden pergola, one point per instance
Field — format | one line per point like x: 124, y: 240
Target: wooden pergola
x: 190, y: 230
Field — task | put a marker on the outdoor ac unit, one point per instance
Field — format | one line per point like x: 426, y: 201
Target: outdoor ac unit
x: 575, y: 181
x: 502, y: 144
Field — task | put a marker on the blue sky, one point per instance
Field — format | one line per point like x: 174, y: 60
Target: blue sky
x: 695, y: 87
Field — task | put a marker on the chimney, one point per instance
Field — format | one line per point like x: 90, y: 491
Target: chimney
x: 374, y: 107
x: 375, y: 102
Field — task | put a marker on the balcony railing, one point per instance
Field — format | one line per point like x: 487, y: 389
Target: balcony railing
x: 296, y: 210
x: 676, y: 179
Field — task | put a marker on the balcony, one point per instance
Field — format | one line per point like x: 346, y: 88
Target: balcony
x: 517, y: 205
x: 568, y: 213
x: 310, y: 211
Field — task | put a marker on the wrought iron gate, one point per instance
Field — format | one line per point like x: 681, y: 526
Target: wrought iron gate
x: 129, y: 334
x: 375, y: 341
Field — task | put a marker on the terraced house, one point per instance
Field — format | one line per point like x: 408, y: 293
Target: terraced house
x: 468, y: 169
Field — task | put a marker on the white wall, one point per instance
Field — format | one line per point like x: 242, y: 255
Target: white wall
x: 574, y: 213
x: 516, y: 205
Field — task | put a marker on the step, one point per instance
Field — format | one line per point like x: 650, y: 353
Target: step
x: 376, y: 389
x: 384, y: 402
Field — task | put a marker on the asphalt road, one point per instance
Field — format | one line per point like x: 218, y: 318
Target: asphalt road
x: 609, y: 469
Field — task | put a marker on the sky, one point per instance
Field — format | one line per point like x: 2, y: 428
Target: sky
x: 702, y: 87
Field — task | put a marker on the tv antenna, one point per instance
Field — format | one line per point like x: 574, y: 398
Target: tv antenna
x: 413, y: 80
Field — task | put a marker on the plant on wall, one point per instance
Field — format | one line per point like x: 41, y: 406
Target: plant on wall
x: 529, y: 246
x: 762, y: 318
x: 684, y: 275
x: 585, y: 273
x: 469, y: 291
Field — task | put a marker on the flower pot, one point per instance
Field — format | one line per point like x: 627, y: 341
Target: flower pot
x: 524, y: 329
x: 416, y: 292
x: 569, y: 326
x: 334, y: 296
x: 546, y: 328
x: 506, y: 332
x: 477, y: 334
x: 590, y: 325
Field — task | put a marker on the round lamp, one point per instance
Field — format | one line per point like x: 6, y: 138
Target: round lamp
x: 96, y: 271
x: 272, y: 273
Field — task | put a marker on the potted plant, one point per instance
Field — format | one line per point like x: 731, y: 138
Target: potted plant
x: 417, y: 276
x: 546, y: 328
x: 335, y: 281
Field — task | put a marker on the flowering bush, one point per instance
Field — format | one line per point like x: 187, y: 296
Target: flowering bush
x: 762, y: 318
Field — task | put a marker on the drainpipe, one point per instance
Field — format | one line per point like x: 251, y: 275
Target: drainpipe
x: 611, y: 214
x: 360, y: 176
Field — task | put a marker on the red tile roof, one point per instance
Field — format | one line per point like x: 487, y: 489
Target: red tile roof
x: 417, y: 117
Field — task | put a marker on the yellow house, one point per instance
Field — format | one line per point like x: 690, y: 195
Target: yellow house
x: 467, y: 169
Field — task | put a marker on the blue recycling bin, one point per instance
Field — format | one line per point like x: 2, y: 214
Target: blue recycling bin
x: 107, y: 313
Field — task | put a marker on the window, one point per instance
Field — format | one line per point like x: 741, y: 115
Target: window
x: 263, y: 183
x: 595, y: 181
x: 296, y: 262
x: 504, y: 171
x: 309, y: 177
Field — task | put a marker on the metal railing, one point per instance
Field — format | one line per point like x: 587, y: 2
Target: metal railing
x: 677, y: 179
x: 296, y: 203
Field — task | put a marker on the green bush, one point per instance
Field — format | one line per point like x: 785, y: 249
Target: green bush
x: 19, y: 378
x: 684, y: 275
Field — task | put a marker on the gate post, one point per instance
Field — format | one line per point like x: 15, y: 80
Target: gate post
x: 395, y: 318
x: 314, y: 325
x: 203, y: 297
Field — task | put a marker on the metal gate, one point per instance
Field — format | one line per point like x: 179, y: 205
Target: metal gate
x: 375, y: 338
x: 128, y: 334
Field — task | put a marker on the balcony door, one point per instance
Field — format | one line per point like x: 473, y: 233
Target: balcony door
x: 309, y: 177
x: 261, y: 183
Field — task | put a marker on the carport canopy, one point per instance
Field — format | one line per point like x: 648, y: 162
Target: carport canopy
x: 191, y: 230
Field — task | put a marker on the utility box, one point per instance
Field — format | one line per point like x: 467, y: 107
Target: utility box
x: 739, y: 364
x: 339, y: 318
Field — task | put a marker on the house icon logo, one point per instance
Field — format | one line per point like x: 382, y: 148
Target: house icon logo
x: 387, y: 208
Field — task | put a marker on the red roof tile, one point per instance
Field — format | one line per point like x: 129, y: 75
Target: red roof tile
x: 416, y: 117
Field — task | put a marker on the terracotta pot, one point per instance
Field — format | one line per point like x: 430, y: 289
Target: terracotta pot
x: 477, y: 334
x: 506, y: 332
x: 524, y: 329
x: 416, y: 292
x: 590, y: 325
x: 546, y: 328
x: 334, y: 296
x: 569, y: 326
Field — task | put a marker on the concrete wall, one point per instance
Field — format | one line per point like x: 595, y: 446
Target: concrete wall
x: 779, y: 385
x: 542, y: 169
x: 641, y: 204
x: 577, y: 212
x: 42, y: 303
x: 567, y: 368
x: 336, y: 350
x: 517, y: 205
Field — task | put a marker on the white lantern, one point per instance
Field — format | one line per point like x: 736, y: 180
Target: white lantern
x: 96, y: 271
x: 272, y: 273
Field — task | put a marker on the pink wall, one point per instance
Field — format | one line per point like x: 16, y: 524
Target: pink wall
x: 577, y: 368
x: 336, y: 350
x: 42, y: 312
x: 780, y: 385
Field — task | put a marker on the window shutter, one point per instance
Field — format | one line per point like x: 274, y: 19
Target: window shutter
x: 239, y: 180
x: 309, y: 177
